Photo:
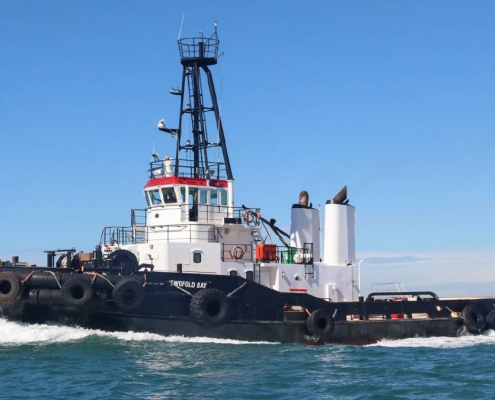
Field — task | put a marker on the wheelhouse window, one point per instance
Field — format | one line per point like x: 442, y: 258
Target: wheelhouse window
x: 148, y: 203
x: 203, y: 196
x: 183, y: 194
x: 213, y: 197
x: 193, y: 196
x: 223, y: 197
x: 193, y: 203
x: 169, y: 195
x: 153, y: 197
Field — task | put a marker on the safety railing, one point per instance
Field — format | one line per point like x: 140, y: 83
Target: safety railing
x: 125, y: 235
x: 187, y: 169
x: 138, y: 217
x: 199, y: 47
x: 267, y: 253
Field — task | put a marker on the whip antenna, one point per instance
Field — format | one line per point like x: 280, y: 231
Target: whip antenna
x: 181, y: 22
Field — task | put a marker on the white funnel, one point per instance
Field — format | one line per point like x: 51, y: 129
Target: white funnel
x: 340, y: 247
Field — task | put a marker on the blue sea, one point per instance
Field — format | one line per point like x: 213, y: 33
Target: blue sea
x: 58, y: 362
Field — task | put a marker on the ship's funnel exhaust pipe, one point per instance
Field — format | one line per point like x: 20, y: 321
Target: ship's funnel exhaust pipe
x: 305, y: 230
x: 341, y: 197
x: 303, y: 198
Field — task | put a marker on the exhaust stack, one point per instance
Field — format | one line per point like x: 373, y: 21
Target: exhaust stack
x: 305, y: 230
x: 340, y: 247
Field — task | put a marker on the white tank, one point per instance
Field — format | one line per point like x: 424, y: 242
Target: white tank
x: 167, y: 166
x: 305, y: 229
x: 340, y: 247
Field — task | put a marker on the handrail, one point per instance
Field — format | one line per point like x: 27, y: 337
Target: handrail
x: 214, y: 169
x: 401, y: 294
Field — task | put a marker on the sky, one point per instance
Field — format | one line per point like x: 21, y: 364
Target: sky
x: 393, y: 99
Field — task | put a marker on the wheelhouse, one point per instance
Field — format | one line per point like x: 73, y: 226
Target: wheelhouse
x: 196, y: 199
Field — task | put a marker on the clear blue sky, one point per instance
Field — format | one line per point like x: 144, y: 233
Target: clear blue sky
x: 394, y: 99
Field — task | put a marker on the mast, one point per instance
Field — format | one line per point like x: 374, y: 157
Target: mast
x: 197, y: 54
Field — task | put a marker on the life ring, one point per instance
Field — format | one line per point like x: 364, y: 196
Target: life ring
x: 11, y: 288
x: 77, y: 291
x: 248, y: 216
x: 490, y: 320
x: 320, y: 323
x: 128, y: 294
x: 210, y: 308
x: 474, y: 318
x: 237, y: 252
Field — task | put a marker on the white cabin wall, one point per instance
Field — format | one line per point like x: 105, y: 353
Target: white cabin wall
x: 329, y: 282
x: 166, y: 255
x: 192, y: 232
x: 237, y: 235
x: 240, y: 267
x: 164, y: 215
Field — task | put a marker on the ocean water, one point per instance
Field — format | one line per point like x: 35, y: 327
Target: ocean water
x: 58, y: 362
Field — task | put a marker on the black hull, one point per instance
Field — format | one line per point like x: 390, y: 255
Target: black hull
x: 254, y: 312
x: 357, y: 332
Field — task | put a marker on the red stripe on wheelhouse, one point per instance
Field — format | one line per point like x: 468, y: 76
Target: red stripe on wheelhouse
x: 179, y: 180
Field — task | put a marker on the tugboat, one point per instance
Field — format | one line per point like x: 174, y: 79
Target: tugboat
x: 192, y: 263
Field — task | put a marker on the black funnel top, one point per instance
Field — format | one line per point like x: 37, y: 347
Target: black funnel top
x: 340, y: 197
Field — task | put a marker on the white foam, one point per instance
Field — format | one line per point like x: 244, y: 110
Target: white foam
x: 486, y: 338
x: 16, y: 333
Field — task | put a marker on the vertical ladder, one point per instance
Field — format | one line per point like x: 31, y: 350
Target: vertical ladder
x: 309, y: 269
x: 256, y: 273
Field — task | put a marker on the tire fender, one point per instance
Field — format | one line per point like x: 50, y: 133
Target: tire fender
x: 11, y: 288
x: 320, y: 323
x: 490, y: 320
x: 210, y: 308
x: 77, y: 291
x: 474, y: 318
x: 128, y: 294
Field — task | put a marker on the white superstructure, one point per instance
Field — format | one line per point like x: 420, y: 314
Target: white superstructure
x: 191, y: 226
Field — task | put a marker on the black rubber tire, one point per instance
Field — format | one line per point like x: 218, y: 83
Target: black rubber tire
x: 320, y: 323
x: 11, y: 288
x: 125, y: 260
x: 474, y: 318
x: 128, y: 294
x: 490, y: 320
x: 77, y: 291
x: 210, y: 308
